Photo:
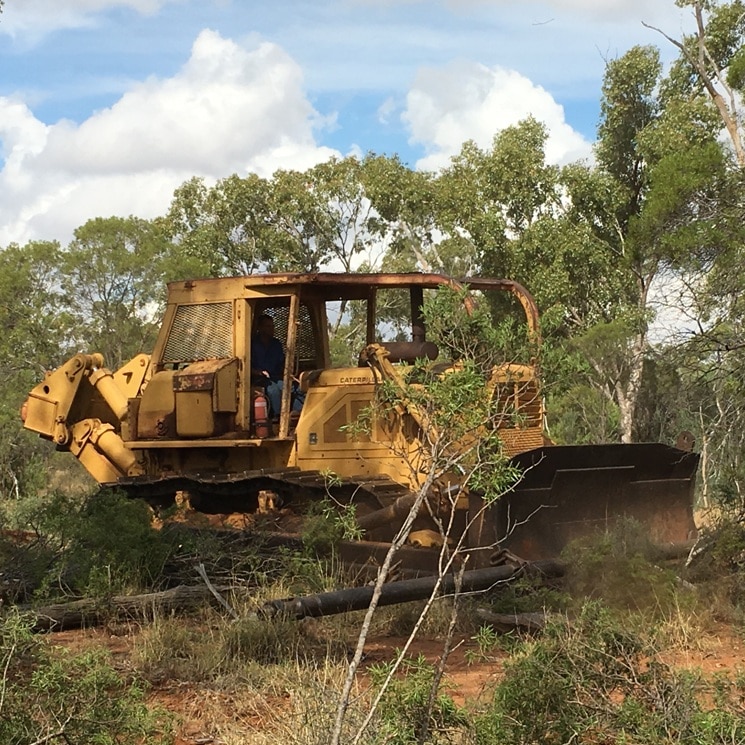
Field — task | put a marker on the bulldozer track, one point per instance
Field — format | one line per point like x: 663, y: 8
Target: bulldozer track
x: 214, y: 493
x: 229, y: 492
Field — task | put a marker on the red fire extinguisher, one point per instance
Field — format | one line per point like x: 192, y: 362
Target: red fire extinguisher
x: 261, y: 415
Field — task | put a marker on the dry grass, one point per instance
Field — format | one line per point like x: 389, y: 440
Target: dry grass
x: 297, y: 706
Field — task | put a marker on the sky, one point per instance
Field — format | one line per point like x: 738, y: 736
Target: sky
x: 107, y: 106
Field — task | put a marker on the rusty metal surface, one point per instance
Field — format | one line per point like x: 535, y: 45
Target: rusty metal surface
x: 199, y: 376
x: 568, y: 492
x: 409, y: 351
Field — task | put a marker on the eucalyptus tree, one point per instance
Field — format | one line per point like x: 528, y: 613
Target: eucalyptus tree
x: 112, y: 284
x: 35, y: 338
x: 405, y: 204
x: 294, y: 221
x: 489, y: 199
x: 712, y: 62
x: 589, y: 241
x: 710, y: 69
x: 223, y: 229
x: 246, y: 224
x: 32, y: 314
x: 659, y: 169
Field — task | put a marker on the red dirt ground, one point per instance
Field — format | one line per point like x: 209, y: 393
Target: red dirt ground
x: 201, y: 710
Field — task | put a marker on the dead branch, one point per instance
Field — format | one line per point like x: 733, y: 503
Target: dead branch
x: 92, y: 612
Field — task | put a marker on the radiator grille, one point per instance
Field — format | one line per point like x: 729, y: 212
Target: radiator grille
x: 520, y: 410
x: 200, y: 332
x: 519, y: 405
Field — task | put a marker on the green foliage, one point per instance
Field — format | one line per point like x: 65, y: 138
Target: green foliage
x: 460, y: 404
x: 35, y: 337
x: 114, y: 546
x: 629, y: 104
x: 327, y: 523
x: 725, y: 545
x: 295, y: 221
x: 24, y: 458
x: 528, y: 594
x: 345, y: 342
x: 103, y: 545
x: 582, y: 415
x: 409, y: 205
x: 719, y: 564
x: 35, y: 333
x: 405, y: 711
x: 616, y: 566
x: 722, y: 31
x: 488, y: 641
x: 113, y: 282
x: 503, y: 189
x: 591, y: 680
x: 219, y: 230
x: 54, y: 695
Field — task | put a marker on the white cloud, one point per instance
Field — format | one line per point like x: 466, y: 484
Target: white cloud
x: 37, y: 17
x: 466, y: 100
x: 617, y: 10
x: 231, y: 108
x: 386, y: 109
x: 609, y: 10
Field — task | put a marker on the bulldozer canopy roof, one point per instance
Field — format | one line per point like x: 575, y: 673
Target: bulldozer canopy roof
x: 334, y: 286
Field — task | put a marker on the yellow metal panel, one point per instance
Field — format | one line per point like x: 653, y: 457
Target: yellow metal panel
x: 97, y: 465
x: 194, y: 415
x: 157, y: 407
x: 130, y: 377
x: 225, y: 394
x: 41, y: 414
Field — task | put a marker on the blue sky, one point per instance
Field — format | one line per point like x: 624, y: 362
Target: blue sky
x: 107, y: 105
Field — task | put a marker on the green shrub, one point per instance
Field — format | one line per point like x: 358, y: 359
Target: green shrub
x: 405, y: 709
x: 616, y: 567
x: 103, y: 545
x: 526, y: 594
x: 115, y: 546
x: 53, y: 695
x: 719, y: 565
x: 327, y: 523
x: 593, y: 681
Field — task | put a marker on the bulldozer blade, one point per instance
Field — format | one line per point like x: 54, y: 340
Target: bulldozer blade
x: 568, y: 492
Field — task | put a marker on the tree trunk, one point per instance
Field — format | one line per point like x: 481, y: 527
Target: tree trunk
x: 91, y: 612
x: 627, y: 395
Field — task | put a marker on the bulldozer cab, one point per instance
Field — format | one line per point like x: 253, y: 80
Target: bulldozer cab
x: 207, y: 333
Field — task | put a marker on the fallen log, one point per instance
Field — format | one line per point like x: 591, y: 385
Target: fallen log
x: 530, y: 621
x: 91, y: 612
x: 404, y: 591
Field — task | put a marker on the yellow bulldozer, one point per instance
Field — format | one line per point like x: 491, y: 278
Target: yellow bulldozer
x: 192, y: 417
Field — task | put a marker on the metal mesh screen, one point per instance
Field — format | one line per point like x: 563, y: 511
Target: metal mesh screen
x: 200, y: 332
x: 306, y: 343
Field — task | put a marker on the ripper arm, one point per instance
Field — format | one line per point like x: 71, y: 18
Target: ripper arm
x: 81, y: 407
